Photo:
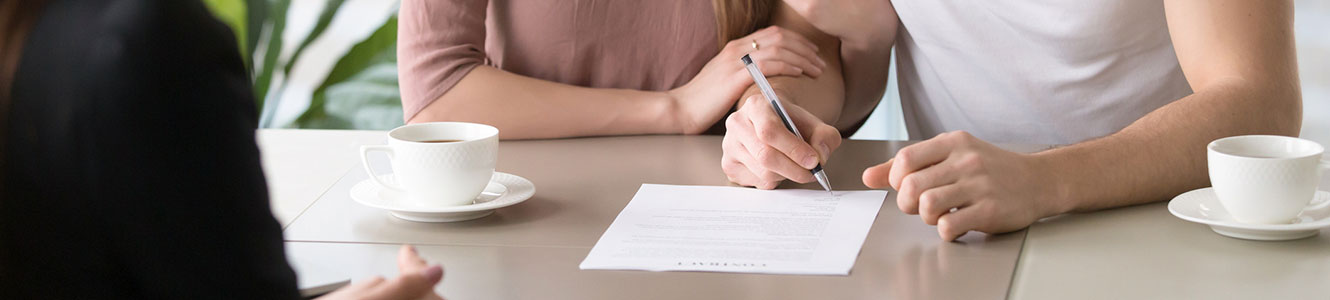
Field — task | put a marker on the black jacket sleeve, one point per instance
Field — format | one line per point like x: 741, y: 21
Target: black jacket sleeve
x: 140, y: 120
x: 180, y: 163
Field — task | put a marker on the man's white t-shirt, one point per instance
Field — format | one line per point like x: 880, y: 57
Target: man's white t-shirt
x: 1046, y: 72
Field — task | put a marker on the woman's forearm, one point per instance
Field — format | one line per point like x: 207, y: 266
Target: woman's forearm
x: 528, y: 108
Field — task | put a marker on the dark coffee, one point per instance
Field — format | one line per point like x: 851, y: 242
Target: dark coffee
x: 441, y: 141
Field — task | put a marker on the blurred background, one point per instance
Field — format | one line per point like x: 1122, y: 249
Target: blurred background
x: 332, y: 64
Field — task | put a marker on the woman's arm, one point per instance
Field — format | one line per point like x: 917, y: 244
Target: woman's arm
x: 758, y: 150
x: 523, y: 107
x: 823, y: 96
x: 444, y: 79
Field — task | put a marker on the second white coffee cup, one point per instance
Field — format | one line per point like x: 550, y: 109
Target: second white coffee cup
x: 1265, y: 179
x: 439, y: 164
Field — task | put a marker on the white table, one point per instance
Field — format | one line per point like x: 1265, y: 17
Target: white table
x: 1133, y: 252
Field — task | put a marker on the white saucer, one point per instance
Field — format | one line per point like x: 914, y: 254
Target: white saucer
x: 1202, y: 206
x: 503, y: 190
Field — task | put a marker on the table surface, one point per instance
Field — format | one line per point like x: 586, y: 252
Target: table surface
x: 532, y: 250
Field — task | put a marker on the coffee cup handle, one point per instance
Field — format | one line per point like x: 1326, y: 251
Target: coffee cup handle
x: 364, y: 161
x: 1323, y: 167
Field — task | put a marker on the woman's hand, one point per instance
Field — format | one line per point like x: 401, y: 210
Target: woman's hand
x: 717, y: 87
x: 760, y: 152
x: 416, y: 281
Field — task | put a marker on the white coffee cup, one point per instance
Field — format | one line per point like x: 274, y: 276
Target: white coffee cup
x: 439, y: 164
x: 1265, y: 179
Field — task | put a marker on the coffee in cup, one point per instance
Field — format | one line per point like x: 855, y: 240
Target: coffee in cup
x: 1265, y: 179
x: 438, y: 164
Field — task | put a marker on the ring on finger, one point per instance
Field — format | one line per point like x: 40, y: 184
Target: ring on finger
x: 755, y: 48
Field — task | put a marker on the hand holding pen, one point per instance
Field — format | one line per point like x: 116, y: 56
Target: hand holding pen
x: 761, y: 151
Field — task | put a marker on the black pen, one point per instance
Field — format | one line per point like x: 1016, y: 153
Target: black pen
x: 762, y: 84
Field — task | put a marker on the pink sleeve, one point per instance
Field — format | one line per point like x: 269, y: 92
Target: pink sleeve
x: 438, y: 43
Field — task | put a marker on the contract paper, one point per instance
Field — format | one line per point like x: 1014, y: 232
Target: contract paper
x: 732, y: 229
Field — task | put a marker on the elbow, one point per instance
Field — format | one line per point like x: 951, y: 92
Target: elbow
x: 1287, y: 110
x: 1272, y: 106
x: 1292, y: 125
x: 442, y: 109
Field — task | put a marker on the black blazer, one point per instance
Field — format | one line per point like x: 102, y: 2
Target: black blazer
x: 131, y: 167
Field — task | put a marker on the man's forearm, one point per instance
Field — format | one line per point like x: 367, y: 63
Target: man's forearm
x: 865, y: 79
x: 1163, y: 153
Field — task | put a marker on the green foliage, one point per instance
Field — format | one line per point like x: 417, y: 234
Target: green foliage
x: 360, y: 92
x: 365, y: 78
x: 264, y: 77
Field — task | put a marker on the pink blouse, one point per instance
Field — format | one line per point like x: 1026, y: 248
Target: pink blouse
x: 626, y: 44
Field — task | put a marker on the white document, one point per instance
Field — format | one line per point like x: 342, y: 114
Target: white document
x: 732, y: 229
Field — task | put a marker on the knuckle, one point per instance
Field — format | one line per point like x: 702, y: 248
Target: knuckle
x: 732, y: 122
x: 971, y: 161
x: 928, y: 199
x: 766, y: 133
x: 904, y: 155
x: 727, y: 163
x: 767, y: 156
x: 906, y: 205
x: 947, y: 227
x: 961, y: 137
x: 909, y: 184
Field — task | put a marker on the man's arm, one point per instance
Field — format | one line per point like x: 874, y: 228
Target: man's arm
x: 1240, y: 60
x: 867, y: 30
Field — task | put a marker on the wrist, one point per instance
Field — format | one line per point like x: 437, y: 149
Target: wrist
x: 1059, y: 187
x: 672, y: 115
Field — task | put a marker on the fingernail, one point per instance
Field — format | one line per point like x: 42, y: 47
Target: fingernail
x: 434, y: 273
x: 821, y: 61
x: 809, y: 161
x: 826, y: 150
x: 798, y: 70
x: 413, y: 249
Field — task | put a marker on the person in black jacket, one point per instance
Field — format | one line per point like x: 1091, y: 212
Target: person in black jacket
x: 129, y: 165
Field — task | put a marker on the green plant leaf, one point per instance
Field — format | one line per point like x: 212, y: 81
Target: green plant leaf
x: 263, y: 80
x: 377, y: 49
x: 330, y: 10
x: 256, y: 13
x: 369, y: 100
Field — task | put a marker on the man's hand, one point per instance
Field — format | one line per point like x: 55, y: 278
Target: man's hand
x: 760, y: 152
x: 416, y: 281
x: 960, y: 183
